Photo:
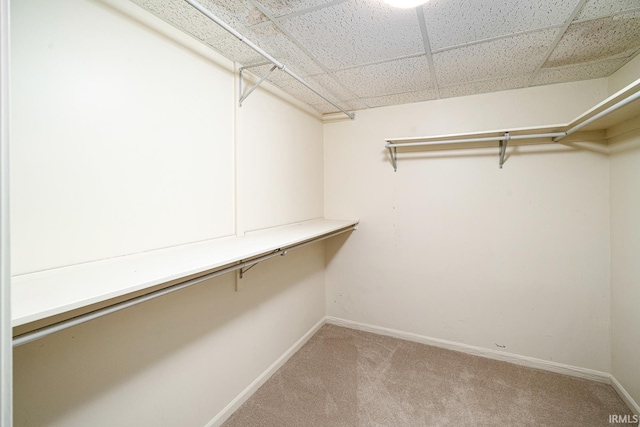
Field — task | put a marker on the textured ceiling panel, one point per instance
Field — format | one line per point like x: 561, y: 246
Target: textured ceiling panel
x: 517, y: 55
x: 234, y: 49
x: 577, y: 72
x: 598, y: 39
x: 182, y: 15
x: 600, y: 8
x: 237, y: 13
x: 496, y: 85
x: 456, y: 22
x: 300, y: 92
x: 357, y: 32
x: 272, y: 40
x: 329, y: 83
x: 387, y: 78
x: 350, y: 104
x: 401, y: 98
x: 279, y: 8
x: 364, y: 53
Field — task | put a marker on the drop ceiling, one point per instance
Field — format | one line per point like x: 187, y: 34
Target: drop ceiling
x: 364, y: 53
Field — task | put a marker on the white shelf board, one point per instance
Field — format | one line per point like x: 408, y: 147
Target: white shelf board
x: 621, y: 115
x: 40, y: 295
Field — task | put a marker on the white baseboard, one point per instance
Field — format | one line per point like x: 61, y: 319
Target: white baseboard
x: 517, y: 359
x: 258, y: 382
x: 632, y: 404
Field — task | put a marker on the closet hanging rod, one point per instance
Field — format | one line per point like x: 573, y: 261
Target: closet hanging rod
x: 391, y: 144
x: 83, y: 318
x: 270, y: 58
x: 601, y: 114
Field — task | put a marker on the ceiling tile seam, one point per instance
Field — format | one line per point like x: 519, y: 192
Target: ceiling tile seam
x: 556, y: 41
x: 427, y: 49
x: 395, y: 94
x: 492, y: 39
x: 384, y: 61
x: 309, y: 10
x: 611, y: 15
x: 626, y: 60
x: 492, y: 79
x: 302, y: 48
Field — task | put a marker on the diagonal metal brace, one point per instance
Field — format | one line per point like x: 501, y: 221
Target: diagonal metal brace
x: 242, y: 96
x: 243, y: 270
x: 503, y: 147
x: 394, y: 156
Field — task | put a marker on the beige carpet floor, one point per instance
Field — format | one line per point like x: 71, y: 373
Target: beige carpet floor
x: 343, y: 377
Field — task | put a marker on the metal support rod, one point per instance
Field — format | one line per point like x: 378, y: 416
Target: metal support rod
x: 503, y: 147
x: 65, y: 324
x: 6, y: 352
x: 257, y: 49
x: 254, y: 87
x: 394, y: 157
x: 603, y: 113
x: 390, y: 142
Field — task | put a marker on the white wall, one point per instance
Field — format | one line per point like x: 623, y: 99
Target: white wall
x: 626, y: 75
x: 142, y: 156
x: 452, y: 247
x: 625, y: 260
x: 281, y: 164
x: 625, y: 241
x: 118, y: 136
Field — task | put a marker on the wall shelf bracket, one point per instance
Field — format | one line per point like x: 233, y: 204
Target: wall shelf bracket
x: 503, y: 147
x: 241, y: 96
x: 394, y: 157
x: 243, y: 270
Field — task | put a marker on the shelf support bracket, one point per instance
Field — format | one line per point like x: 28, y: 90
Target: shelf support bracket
x: 503, y: 147
x: 241, y: 271
x: 242, y: 96
x: 394, y: 157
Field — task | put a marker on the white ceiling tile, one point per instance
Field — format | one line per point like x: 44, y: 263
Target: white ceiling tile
x: 237, y: 13
x: 387, y: 78
x: 232, y: 48
x: 301, y: 92
x: 513, y: 56
x: 456, y: 22
x: 401, y: 98
x: 357, y: 32
x: 601, y: 8
x: 330, y: 86
x: 474, y: 88
x: 350, y: 105
x: 603, y: 38
x: 277, y: 44
x: 182, y: 15
x: 577, y: 72
x: 279, y: 8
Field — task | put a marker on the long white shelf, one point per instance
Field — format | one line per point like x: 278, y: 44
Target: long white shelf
x: 40, y: 295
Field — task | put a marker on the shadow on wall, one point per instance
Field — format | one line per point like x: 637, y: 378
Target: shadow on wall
x: 333, y: 245
x: 57, y: 375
